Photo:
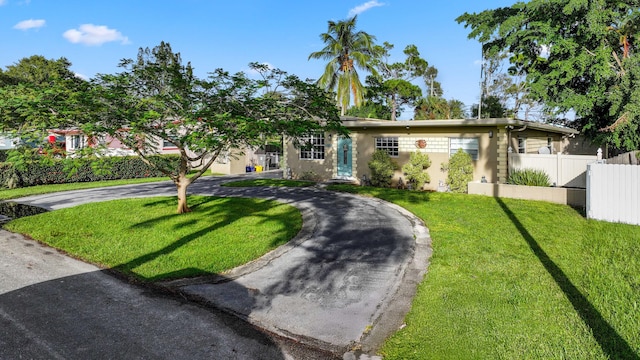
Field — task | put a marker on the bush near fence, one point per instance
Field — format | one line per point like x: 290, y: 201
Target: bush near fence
x: 129, y: 167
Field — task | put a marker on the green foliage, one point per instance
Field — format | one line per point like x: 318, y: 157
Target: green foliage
x: 156, y: 98
x: 3, y: 155
x: 433, y: 107
x: 459, y: 171
x: 392, y: 84
x: 346, y: 49
x: 370, y: 109
x: 512, y: 269
x: 529, y: 177
x: 578, y: 56
x: 382, y: 168
x: 222, y: 233
x: 415, y: 169
x: 491, y: 108
x: 78, y: 170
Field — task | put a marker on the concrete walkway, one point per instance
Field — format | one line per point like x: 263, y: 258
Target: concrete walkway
x: 343, y: 284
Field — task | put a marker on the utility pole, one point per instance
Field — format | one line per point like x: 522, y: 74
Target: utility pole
x: 481, y: 82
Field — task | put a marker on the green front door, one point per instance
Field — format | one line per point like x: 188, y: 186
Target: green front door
x: 344, y: 158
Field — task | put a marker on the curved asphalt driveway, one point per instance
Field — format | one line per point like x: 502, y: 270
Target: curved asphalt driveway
x: 346, y: 281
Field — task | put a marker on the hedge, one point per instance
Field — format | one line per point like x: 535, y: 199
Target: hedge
x: 82, y: 170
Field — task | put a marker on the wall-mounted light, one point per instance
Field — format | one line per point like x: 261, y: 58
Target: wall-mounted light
x: 490, y: 134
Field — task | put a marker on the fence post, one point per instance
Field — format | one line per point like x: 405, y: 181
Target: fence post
x: 559, y: 179
x: 588, y: 200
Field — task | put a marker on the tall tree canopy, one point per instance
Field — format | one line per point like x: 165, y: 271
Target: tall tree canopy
x: 38, y: 94
x: 578, y: 55
x: 395, y: 78
x: 346, y: 49
x: 157, y: 98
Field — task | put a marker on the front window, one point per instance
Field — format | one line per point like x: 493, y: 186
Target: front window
x: 76, y: 142
x: 468, y: 145
x: 313, y: 147
x: 388, y: 144
x: 522, y: 145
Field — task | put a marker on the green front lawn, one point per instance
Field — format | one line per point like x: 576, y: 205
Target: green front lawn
x: 515, y: 279
x: 146, y: 239
x: 508, y: 279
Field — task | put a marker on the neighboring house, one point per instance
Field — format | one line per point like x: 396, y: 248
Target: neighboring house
x: 488, y: 141
x: 71, y: 140
x: 7, y: 143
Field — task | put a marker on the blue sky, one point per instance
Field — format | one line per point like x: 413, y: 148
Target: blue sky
x: 95, y: 35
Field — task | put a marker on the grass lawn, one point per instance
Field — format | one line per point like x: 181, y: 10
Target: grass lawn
x: 515, y: 279
x: 146, y: 239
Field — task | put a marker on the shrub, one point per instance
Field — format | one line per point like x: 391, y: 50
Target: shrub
x: 460, y: 171
x: 382, y: 168
x: 414, y: 169
x: 529, y: 177
x: 78, y: 170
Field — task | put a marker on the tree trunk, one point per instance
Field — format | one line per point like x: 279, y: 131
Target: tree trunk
x: 182, y: 185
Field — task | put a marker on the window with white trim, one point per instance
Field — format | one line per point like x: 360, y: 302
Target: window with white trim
x: 522, y: 145
x: 468, y: 145
x: 75, y: 142
x: 312, y: 147
x: 388, y: 144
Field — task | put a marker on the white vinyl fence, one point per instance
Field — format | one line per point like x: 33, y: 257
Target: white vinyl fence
x: 563, y: 170
x: 613, y: 193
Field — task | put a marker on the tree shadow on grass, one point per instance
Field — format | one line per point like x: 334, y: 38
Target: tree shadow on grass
x: 222, y: 213
x: 607, y: 337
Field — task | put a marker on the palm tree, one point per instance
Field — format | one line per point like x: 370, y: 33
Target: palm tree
x: 345, y: 49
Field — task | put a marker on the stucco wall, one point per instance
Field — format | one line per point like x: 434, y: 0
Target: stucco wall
x: 492, y: 162
x: 437, y: 148
x: 305, y: 168
x: 566, y: 196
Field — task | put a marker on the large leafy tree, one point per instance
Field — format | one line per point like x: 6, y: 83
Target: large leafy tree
x: 395, y: 79
x: 158, y: 98
x: 38, y: 94
x: 577, y: 55
x: 346, y: 50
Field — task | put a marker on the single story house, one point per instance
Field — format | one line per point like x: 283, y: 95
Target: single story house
x: 488, y: 141
x: 237, y: 162
x: 7, y: 142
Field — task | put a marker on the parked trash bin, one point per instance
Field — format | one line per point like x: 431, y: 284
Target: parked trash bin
x: 258, y: 168
x: 248, y: 169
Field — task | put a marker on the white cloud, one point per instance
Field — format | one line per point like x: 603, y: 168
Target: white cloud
x: 364, y: 7
x: 90, y: 34
x: 29, y: 24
